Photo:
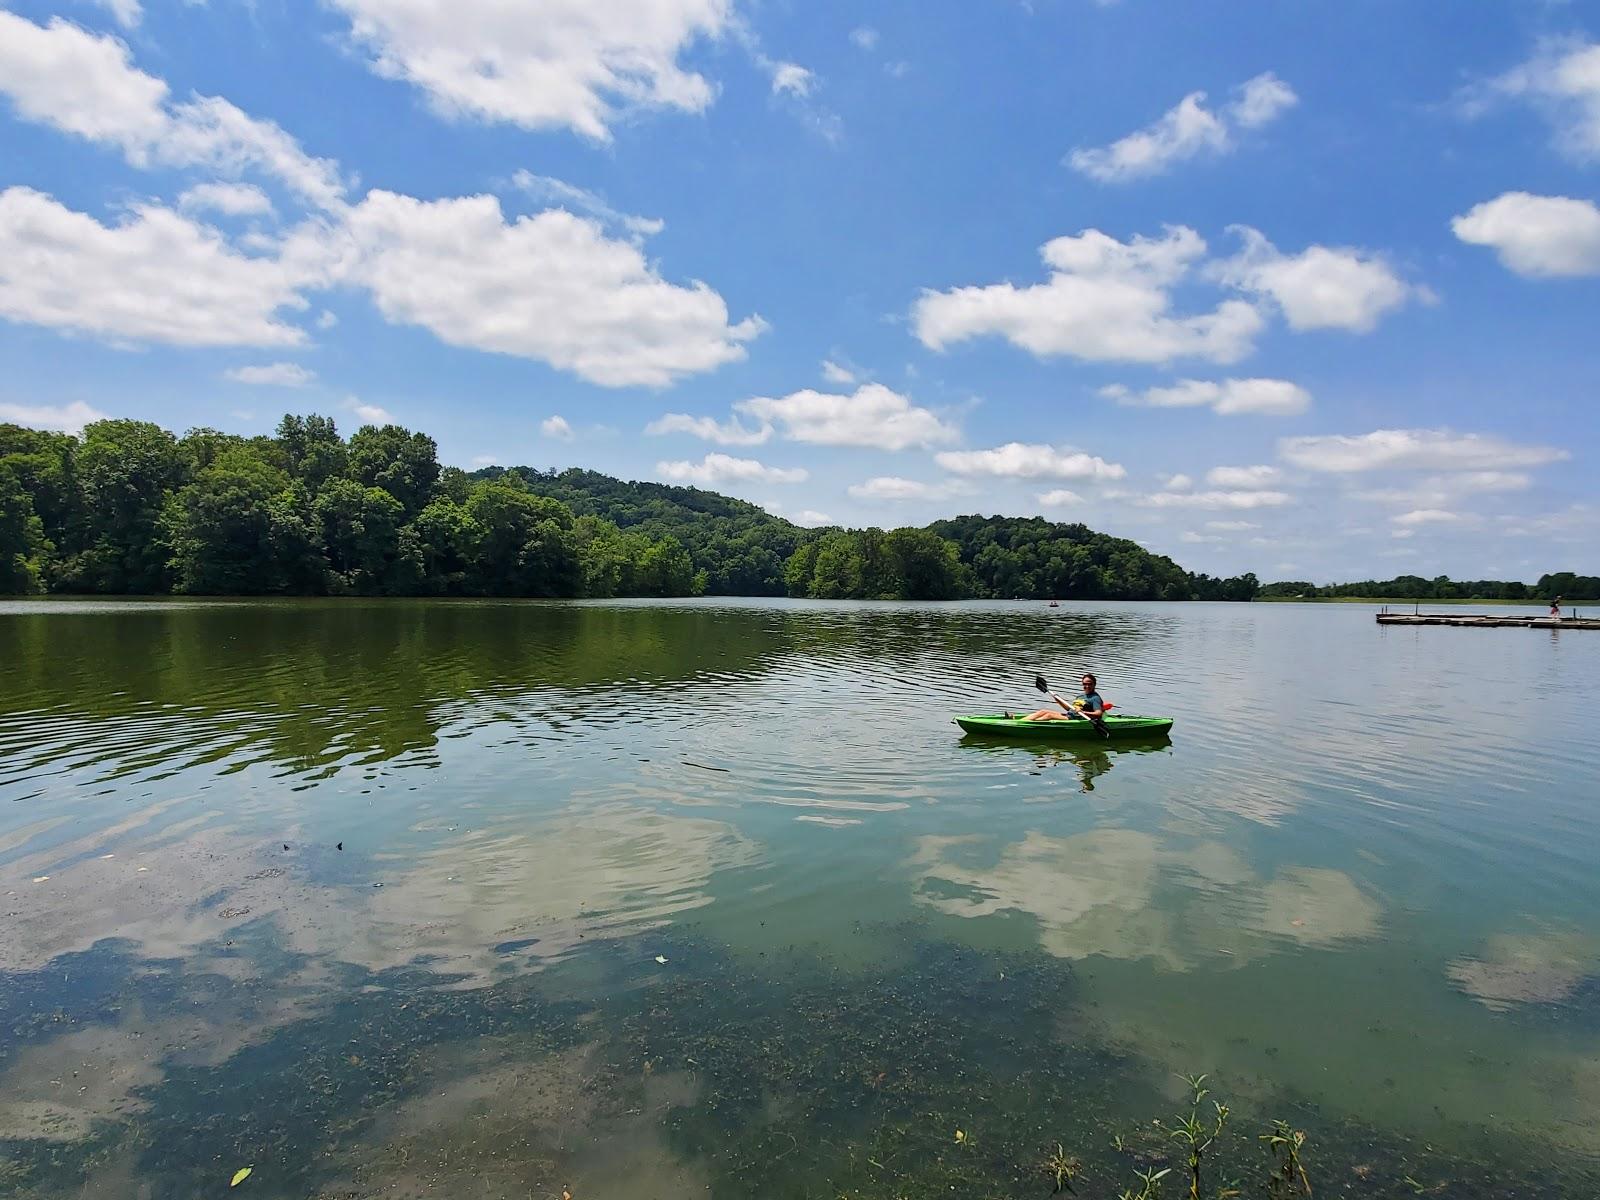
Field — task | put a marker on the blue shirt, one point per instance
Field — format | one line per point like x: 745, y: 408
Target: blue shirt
x: 1092, y: 702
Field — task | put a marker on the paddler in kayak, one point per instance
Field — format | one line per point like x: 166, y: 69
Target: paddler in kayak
x: 1087, y: 707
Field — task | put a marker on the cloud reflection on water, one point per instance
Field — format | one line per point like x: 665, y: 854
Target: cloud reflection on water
x: 1125, y: 894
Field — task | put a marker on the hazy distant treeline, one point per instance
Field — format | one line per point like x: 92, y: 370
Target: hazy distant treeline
x: 1413, y: 587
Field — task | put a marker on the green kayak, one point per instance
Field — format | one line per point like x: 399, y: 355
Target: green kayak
x: 1116, y: 726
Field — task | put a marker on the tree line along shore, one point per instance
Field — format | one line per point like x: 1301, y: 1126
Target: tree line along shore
x: 129, y: 508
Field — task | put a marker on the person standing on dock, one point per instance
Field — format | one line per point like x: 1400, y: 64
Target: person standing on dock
x: 1555, y: 609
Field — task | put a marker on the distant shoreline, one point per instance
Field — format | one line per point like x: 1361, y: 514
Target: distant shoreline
x: 1532, y: 602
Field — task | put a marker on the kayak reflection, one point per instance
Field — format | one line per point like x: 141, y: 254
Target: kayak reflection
x: 1092, y: 759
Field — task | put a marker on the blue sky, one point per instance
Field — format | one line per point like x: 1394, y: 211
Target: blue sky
x: 1304, y: 289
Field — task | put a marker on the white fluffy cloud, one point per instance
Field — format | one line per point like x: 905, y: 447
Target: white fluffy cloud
x: 1272, y: 397
x: 1428, y: 516
x: 372, y: 414
x: 1017, y: 460
x: 1215, y: 499
x: 892, y: 487
x: 155, y: 277
x: 1059, y: 498
x: 550, y: 287
x: 79, y: 82
x: 559, y: 193
x: 874, y: 416
x: 1440, y: 491
x: 1322, y: 287
x: 1262, y: 100
x: 280, y: 374
x: 1564, y: 79
x: 575, y: 64
x: 1182, y: 132
x: 66, y: 418
x: 1418, y: 449
x: 1186, y: 131
x: 723, y: 433
x: 85, y: 84
x: 556, y: 427
x: 230, y: 199
x: 1483, y: 481
x: 1536, y: 235
x: 127, y: 13
x: 1105, y: 301
x: 723, y: 468
x: 792, y: 78
x: 211, y: 133
x: 1244, y: 477
x: 834, y: 373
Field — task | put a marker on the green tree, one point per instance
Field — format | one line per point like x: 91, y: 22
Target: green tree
x: 201, y: 447
x: 361, y: 535
x: 42, y: 465
x: 799, y: 568
x: 219, y: 528
x: 922, y: 565
x: 454, y: 484
x: 313, y: 452
x: 295, y: 535
x: 608, y: 558
x: 124, y: 470
x: 665, y: 569
x: 23, y: 547
x: 402, y: 463
x: 445, y: 537
x: 837, y: 568
x: 522, y: 545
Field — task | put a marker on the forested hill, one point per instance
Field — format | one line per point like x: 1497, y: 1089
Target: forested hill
x: 129, y: 507
x: 746, y: 551
x: 1032, y: 557
x: 741, y: 548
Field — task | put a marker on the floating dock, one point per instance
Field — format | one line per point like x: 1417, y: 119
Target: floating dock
x: 1488, y: 621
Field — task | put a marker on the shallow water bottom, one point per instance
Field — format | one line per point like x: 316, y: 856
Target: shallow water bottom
x: 615, y: 1075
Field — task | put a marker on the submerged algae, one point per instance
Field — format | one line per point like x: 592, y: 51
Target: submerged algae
x: 948, y: 1071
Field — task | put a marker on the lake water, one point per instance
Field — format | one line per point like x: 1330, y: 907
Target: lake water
x: 712, y: 899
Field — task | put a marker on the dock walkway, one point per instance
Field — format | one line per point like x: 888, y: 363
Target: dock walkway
x: 1488, y: 620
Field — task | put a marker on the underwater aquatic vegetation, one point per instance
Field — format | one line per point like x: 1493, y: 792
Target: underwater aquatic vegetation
x: 1197, y: 1136
x: 1288, y: 1176
x: 1063, y: 1169
x: 1150, y: 1184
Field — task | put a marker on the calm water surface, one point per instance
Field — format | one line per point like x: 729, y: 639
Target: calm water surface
x: 688, y: 899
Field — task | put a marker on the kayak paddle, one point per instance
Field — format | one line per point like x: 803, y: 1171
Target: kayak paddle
x: 1099, y: 725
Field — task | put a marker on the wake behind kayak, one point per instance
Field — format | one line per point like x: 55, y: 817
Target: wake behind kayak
x: 1002, y: 726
